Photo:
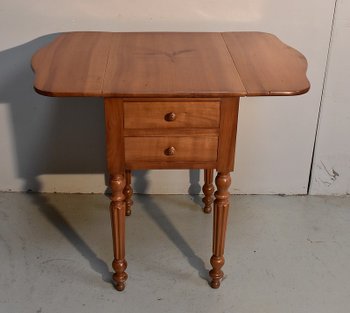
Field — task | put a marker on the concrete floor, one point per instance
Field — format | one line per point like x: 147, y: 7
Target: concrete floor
x: 283, y: 254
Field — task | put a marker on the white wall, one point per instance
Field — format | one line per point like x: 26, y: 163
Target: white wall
x: 58, y: 144
x: 331, y: 169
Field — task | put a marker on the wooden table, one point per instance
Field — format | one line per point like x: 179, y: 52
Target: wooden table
x: 171, y: 102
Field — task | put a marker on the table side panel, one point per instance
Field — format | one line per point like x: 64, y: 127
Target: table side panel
x: 228, y: 131
x: 114, y: 135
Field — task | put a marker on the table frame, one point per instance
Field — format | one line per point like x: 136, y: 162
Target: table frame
x: 121, y: 190
x: 170, y: 66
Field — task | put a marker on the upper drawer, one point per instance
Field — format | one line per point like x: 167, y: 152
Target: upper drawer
x: 171, y: 114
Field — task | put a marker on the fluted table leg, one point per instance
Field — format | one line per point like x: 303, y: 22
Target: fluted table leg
x: 128, y: 192
x: 117, y: 209
x: 208, y: 190
x: 221, y: 205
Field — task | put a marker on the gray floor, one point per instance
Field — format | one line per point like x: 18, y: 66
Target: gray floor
x: 283, y: 254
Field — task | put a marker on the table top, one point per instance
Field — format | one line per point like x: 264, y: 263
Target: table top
x: 169, y: 64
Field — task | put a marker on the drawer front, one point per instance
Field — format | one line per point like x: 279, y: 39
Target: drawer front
x: 171, y: 114
x: 172, y: 149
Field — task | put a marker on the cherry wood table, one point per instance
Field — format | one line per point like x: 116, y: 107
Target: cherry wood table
x: 171, y: 102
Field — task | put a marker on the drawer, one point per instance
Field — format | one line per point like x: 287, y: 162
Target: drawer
x: 173, y: 149
x: 171, y: 114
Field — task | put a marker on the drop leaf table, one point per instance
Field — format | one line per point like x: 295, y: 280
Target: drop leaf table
x: 171, y: 102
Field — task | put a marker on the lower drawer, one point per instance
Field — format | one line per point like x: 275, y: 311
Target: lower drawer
x: 172, y: 149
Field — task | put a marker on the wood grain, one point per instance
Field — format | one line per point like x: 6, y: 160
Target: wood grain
x: 153, y: 114
x: 189, y: 149
x: 114, y: 135
x: 221, y: 206
x: 74, y: 64
x: 228, y: 130
x: 173, y: 64
x: 193, y: 132
x: 266, y: 66
x: 169, y: 64
x: 141, y: 165
x: 117, y: 211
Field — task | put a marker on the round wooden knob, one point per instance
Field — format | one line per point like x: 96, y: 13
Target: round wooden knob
x: 170, y: 151
x: 170, y: 117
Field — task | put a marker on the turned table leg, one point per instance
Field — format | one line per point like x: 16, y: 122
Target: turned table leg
x: 117, y: 209
x: 208, y: 190
x: 128, y: 192
x: 221, y: 205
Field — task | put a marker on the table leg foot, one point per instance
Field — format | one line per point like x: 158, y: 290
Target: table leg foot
x: 216, y: 273
x: 128, y: 192
x: 120, y: 286
x: 208, y: 190
x: 221, y: 205
x: 120, y: 276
